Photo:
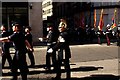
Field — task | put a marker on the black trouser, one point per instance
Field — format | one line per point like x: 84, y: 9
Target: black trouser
x: 19, y: 62
x: 59, y: 63
x: 6, y: 55
x: 99, y: 39
x: 48, y: 57
x: 48, y: 61
x: 108, y: 39
x: 31, y: 57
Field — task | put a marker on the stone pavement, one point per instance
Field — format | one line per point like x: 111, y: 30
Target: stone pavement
x: 85, y: 70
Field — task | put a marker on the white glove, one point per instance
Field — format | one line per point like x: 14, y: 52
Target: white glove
x: 104, y: 33
x: 50, y: 50
x: 41, y: 39
x: 98, y: 32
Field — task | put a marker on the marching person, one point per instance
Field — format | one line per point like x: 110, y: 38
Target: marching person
x: 5, y: 47
x: 118, y: 35
x: 28, y: 36
x: 51, y: 41
x: 108, y: 34
x: 62, y: 23
x: 62, y: 43
x: 19, y: 59
x: 98, y: 33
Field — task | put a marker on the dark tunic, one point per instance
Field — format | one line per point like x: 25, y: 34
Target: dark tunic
x: 5, y: 45
x: 29, y: 38
x: 19, y: 60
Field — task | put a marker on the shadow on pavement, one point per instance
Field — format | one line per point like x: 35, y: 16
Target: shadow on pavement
x: 33, y: 72
x: 83, y: 68
x: 86, y: 68
x: 97, y: 77
x: 91, y: 77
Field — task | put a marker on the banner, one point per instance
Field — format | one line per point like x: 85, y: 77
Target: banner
x: 101, y: 23
x: 114, y: 20
x: 95, y: 18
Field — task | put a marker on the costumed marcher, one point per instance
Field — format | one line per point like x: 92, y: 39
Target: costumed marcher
x: 118, y: 34
x: 62, y: 44
x: 99, y: 33
x: 51, y: 41
x: 108, y: 34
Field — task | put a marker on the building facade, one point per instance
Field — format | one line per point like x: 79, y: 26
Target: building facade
x: 27, y: 14
x: 35, y: 20
x: 82, y: 13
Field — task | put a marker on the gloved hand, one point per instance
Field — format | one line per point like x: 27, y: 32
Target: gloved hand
x: 50, y: 50
x: 31, y: 49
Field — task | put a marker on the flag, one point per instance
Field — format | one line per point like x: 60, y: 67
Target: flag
x: 113, y: 20
x: 101, y: 23
x: 95, y: 18
x: 113, y: 23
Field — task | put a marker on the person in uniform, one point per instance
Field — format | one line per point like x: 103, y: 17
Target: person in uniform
x: 98, y: 33
x: 62, y: 43
x: 108, y: 34
x: 28, y: 36
x: 19, y: 59
x: 118, y: 34
x: 61, y: 24
x: 51, y: 41
x: 5, y: 47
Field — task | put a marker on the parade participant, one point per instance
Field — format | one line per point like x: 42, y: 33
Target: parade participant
x: 19, y: 59
x: 28, y: 36
x: 118, y: 34
x: 5, y: 47
x: 108, y: 34
x: 61, y: 24
x: 51, y: 41
x: 62, y: 43
x: 98, y: 32
x: 92, y: 34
